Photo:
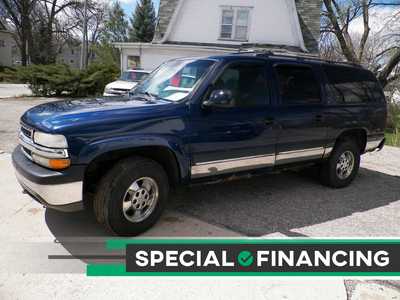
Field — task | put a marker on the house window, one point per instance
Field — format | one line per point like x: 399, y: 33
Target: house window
x: 2, y: 43
x: 133, y: 62
x: 235, y: 23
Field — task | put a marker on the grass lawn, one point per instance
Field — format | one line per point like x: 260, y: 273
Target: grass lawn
x: 392, y: 140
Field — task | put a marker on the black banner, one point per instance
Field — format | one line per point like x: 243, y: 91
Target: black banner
x: 213, y: 257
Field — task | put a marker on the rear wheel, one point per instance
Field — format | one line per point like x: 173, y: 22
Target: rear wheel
x: 132, y: 196
x: 342, y: 167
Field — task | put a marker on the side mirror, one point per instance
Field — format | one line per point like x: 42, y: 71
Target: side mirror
x: 219, y: 98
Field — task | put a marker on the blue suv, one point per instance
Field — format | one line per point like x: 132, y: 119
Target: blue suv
x: 197, y: 120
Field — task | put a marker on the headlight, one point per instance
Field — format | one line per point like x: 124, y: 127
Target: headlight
x: 50, y: 140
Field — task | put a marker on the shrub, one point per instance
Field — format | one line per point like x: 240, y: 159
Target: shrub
x: 393, y: 124
x: 8, y: 74
x: 94, y: 79
x: 59, y: 79
x: 393, y: 119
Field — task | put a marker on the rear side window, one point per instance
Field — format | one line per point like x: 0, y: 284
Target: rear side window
x: 352, y: 86
x: 298, y: 85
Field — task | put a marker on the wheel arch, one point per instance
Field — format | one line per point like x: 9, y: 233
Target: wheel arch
x: 102, y: 163
x: 359, y: 134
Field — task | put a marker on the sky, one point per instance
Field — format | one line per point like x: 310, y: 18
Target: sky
x: 129, y: 5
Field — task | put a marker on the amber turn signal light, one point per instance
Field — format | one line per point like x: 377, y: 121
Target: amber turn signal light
x: 59, y: 164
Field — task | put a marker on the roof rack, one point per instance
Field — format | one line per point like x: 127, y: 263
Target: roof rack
x: 293, y: 54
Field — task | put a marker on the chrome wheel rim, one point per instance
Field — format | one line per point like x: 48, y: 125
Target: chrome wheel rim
x: 140, y: 200
x: 345, y: 165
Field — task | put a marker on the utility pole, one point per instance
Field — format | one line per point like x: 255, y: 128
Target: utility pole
x: 85, y: 37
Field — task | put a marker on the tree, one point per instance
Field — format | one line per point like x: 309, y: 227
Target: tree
x: 35, y: 23
x: 382, y: 57
x: 48, y: 12
x: 18, y: 13
x: 89, y: 27
x: 143, y: 22
x: 116, y: 25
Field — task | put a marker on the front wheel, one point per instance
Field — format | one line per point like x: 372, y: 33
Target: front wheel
x: 132, y: 196
x: 342, y: 167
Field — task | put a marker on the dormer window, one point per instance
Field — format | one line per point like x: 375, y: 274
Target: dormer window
x: 235, y: 21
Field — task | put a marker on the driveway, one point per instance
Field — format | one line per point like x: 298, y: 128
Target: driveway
x: 9, y: 90
x: 10, y: 112
x: 289, y: 204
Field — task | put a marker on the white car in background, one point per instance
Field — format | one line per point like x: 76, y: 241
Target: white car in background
x: 128, y: 80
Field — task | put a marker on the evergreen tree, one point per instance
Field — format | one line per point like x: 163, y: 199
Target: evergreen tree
x: 143, y: 22
x: 116, y: 25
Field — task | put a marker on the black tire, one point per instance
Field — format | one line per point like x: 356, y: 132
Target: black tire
x: 328, y: 172
x: 112, y: 189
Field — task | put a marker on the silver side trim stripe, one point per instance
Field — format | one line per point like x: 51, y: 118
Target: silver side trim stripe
x: 328, y: 152
x: 232, y: 165
x: 301, y: 154
x: 261, y: 161
x: 246, y: 163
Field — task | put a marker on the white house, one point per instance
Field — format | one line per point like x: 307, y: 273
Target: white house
x: 70, y: 54
x: 7, y: 43
x: 208, y: 27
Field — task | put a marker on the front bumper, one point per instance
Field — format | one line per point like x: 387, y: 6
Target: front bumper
x: 54, y: 189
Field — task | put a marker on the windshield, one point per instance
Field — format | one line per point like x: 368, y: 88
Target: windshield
x: 175, y: 79
x: 133, y: 76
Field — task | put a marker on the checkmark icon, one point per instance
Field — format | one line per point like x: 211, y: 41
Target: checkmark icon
x: 245, y: 258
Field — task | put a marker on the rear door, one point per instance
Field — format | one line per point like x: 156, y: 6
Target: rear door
x: 300, y: 112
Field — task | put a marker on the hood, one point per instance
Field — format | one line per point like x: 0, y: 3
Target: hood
x: 119, y: 84
x: 54, y: 116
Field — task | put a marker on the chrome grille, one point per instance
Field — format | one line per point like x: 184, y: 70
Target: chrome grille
x: 26, y: 131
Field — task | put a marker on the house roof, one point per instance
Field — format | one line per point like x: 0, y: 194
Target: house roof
x: 165, y: 13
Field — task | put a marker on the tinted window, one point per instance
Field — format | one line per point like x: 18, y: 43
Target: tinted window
x: 247, y: 82
x: 298, y: 85
x: 351, y: 85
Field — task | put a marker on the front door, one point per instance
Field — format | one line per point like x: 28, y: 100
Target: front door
x: 239, y: 136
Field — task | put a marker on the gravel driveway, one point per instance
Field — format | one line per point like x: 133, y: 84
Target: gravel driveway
x: 290, y: 204
x: 10, y: 112
x: 8, y: 90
